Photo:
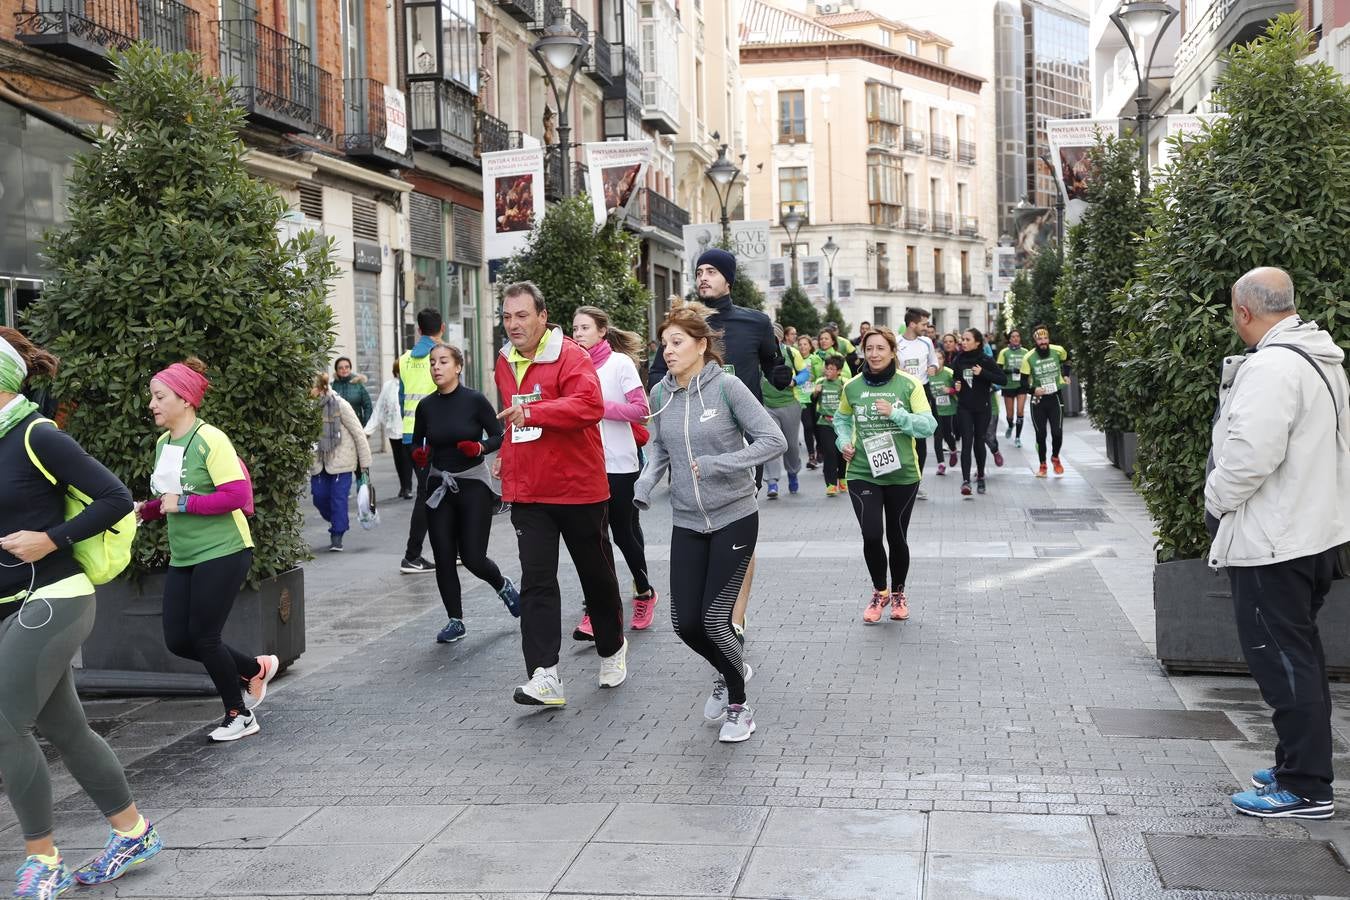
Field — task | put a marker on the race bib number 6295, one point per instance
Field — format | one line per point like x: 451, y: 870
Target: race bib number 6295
x: 882, y: 455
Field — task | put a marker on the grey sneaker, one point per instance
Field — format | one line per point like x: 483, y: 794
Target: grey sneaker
x: 715, y: 708
x: 740, y: 724
x: 614, y: 669
x: 235, y: 727
x: 922, y: 494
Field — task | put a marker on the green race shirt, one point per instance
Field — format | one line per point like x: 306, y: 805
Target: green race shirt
x: 830, y: 392
x: 1044, y: 371
x: 859, y: 401
x: 940, y: 383
x: 1010, y: 360
x: 209, y: 459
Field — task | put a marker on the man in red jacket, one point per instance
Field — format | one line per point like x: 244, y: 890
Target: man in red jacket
x: 552, y: 466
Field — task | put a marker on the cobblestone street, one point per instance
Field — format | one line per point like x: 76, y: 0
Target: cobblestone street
x: 955, y: 755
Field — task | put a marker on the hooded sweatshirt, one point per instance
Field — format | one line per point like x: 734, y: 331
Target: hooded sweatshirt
x: 709, y: 422
x: 1281, y: 451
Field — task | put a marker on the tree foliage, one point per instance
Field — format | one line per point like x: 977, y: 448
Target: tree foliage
x: 834, y: 314
x: 1034, y: 297
x: 574, y: 264
x: 797, y: 310
x: 1266, y: 185
x: 170, y: 249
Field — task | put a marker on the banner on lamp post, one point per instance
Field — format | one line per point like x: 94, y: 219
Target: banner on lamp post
x: 513, y: 186
x: 812, y: 275
x: 1070, y: 140
x: 1184, y: 127
x: 749, y: 242
x: 395, y: 120
x: 1005, y: 269
x: 615, y: 170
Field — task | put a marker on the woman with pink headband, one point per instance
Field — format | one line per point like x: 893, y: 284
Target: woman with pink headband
x: 204, y: 492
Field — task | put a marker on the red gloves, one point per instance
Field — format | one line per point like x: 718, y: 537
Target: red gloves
x: 471, y: 449
x: 421, y: 456
x: 641, y: 435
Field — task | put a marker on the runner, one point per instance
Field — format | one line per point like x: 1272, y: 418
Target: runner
x: 919, y: 358
x: 951, y: 347
x: 615, y: 354
x: 1045, y: 368
x: 882, y: 413
x: 203, y: 491
x: 453, y: 430
x: 976, y: 374
x: 552, y: 467
x: 943, y: 389
x: 708, y: 431
x: 825, y: 397
x: 804, y: 392
x: 46, y: 612
x: 787, y: 412
x: 1010, y: 359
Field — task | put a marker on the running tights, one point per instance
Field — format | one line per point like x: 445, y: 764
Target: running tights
x: 706, y: 574
x: 972, y: 425
x: 1048, y: 411
x: 809, y: 429
x: 625, y: 528
x: 888, y: 505
x: 38, y: 689
x: 829, y: 453
x: 459, y: 527
x: 197, y: 601
x: 946, y: 434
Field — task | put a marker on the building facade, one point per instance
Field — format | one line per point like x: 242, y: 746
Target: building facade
x: 1115, y: 83
x: 1207, y: 29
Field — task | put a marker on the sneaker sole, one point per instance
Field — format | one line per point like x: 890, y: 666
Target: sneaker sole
x: 525, y: 699
x: 617, y: 683
x: 416, y: 571
x: 582, y: 636
x: 737, y: 740
x: 904, y: 618
x: 252, y: 729
x: 453, y: 640
x: 1327, y: 813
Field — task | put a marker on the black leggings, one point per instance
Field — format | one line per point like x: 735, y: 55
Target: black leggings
x: 1048, y: 410
x: 809, y: 428
x: 402, y: 464
x: 459, y: 527
x: 972, y: 424
x: 706, y: 574
x: 829, y: 453
x: 946, y: 434
x: 197, y: 602
x: 921, y: 444
x: 625, y: 528
x: 892, y: 504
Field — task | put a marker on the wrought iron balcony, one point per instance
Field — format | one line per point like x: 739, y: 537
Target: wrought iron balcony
x: 626, y: 66
x: 965, y: 152
x: 888, y: 214
x: 571, y: 19
x: 553, y: 175
x: 914, y: 140
x: 442, y: 119
x: 942, y: 222
x: 599, y: 60
x: 526, y: 12
x: 661, y: 212
x: 916, y: 219
x: 493, y: 135
x: 366, y: 120
x: 86, y: 30
x: 273, y: 78
x: 965, y: 284
x: 970, y: 226
x: 328, y: 116
x: 939, y: 145
x: 913, y: 280
x: 940, y: 282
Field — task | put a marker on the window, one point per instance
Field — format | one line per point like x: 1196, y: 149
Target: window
x: 884, y: 182
x: 883, y: 114
x: 912, y: 267
x: 962, y: 319
x: 457, y: 44
x: 791, y: 116
x: 881, y: 316
x: 961, y: 190
x: 301, y: 19
x: 508, y: 104
x: 942, y: 55
x: 909, y: 197
x: 885, y: 38
x: 699, y: 102
x: 354, y: 38
x: 792, y: 188
x: 883, y: 272
x: 935, y: 197
x: 912, y: 46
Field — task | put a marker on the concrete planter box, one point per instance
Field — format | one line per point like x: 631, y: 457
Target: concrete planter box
x: 1113, y: 448
x: 1128, y: 453
x: 1073, y: 397
x: 126, y: 652
x: 1196, y: 631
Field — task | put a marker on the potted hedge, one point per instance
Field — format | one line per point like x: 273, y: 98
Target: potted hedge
x: 171, y: 249
x: 1265, y: 185
x: 1034, y: 305
x: 1089, y: 300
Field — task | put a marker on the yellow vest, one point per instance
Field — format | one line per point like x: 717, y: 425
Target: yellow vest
x: 414, y: 373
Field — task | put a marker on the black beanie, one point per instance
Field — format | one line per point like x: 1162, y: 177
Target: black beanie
x: 720, y: 260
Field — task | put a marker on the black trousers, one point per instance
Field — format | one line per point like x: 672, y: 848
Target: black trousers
x: 197, y: 602
x: 972, y: 424
x: 1276, y: 608
x: 946, y: 434
x: 830, y: 460
x: 417, y: 526
x: 626, y: 529
x: 402, y: 464
x: 459, y: 527
x: 582, y: 527
x: 809, y: 428
x: 706, y: 574
x: 883, y: 512
x: 1048, y: 411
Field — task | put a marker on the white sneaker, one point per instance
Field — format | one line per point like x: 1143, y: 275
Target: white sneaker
x: 257, y: 685
x: 614, y: 669
x: 715, y: 708
x: 543, y: 689
x: 740, y: 724
x: 923, y: 495
x: 235, y: 727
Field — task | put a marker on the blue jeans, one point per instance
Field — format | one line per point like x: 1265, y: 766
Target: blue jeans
x: 330, y: 499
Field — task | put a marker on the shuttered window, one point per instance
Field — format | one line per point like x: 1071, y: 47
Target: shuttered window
x: 468, y: 235
x: 365, y: 220
x: 427, y: 236
x: 311, y: 201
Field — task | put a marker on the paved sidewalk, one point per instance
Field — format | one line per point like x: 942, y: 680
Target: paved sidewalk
x: 952, y: 756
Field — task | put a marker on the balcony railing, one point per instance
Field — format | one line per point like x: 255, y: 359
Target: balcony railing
x: 913, y: 281
x: 942, y: 222
x: 916, y: 219
x: 442, y: 118
x: 970, y: 226
x: 493, y: 134
x: 626, y: 67
x: 663, y: 213
x: 914, y: 140
x: 553, y: 175
x: 1199, y: 32
x: 85, y: 30
x: 887, y: 214
x: 660, y: 104
x: 571, y: 19
x: 366, y: 120
x: 274, y: 79
x: 965, y: 285
x: 599, y: 60
x: 965, y: 152
x: 328, y: 116
x: 939, y: 145
x: 526, y: 12
x: 940, y: 282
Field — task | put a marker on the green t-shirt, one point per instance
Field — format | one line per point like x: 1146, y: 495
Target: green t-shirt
x: 209, y: 459
x: 940, y: 383
x: 1045, y: 371
x: 773, y: 397
x: 828, y: 403
x: 858, y: 400
x: 1010, y: 360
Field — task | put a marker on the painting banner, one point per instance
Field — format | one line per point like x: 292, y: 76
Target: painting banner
x: 513, y: 195
x: 615, y: 170
x: 1070, y: 140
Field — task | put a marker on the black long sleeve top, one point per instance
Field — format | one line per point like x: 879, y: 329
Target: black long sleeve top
x: 975, y: 389
x: 443, y: 420
x: 29, y: 502
x: 747, y: 337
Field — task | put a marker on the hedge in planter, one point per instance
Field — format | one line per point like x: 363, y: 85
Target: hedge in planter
x: 1269, y: 185
x: 171, y: 250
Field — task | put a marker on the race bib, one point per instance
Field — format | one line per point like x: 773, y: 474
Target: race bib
x: 913, y: 366
x: 168, y: 475
x: 1048, y: 389
x: 730, y: 370
x: 882, y: 455
x: 523, y: 435
x: 943, y: 400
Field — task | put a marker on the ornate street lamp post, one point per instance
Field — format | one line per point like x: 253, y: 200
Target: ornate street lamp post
x: 831, y: 250
x: 564, y: 50
x: 792, y: 224
x: 1142, y: 23
x: 723, y: 174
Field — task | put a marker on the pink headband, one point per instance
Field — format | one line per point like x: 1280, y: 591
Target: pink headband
x: 184, y: 382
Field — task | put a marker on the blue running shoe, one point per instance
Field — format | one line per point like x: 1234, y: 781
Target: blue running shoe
x: 454, y: 630
x: 511, y: 597
x: 41, y: 881
x: 1262, y: 778
x: 121, y: 854
x: 773, y: 490
x: 1274, y: 803
x: 792, y: 482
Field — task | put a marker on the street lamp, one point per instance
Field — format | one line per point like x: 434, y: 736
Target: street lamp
x: 560, y: 48
x: 831, y: 250
x: 723, y: 174
x: 792, y: 224
x: 1142, y: 23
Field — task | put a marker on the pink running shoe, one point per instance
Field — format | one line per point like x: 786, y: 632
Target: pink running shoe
x: 942, y: 469
x: 644, y: 609
x: 998, y: 459
x: 583, y: 630
x: 872, y: 615
x: 257, y: 685
x: 899, y: 606
x: 951, y: 459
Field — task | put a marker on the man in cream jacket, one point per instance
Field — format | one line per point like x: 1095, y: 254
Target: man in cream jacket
x: 1280, y: 470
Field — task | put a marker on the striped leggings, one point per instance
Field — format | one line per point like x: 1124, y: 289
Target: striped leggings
x: 706, y: 573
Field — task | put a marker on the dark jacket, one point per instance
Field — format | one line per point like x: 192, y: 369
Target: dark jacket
x: 353, y: 390
x: 975, y: 389
x: 750, y: 346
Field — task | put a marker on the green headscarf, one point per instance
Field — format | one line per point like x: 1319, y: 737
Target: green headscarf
x: 13, y: 373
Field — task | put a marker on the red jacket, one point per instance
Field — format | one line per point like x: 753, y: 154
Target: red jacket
x: 566, y: 462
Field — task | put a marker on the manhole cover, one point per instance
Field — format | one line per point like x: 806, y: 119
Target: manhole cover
x: 1249, y: 865
x: 1068, y: 514
x: 1177, y: 724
